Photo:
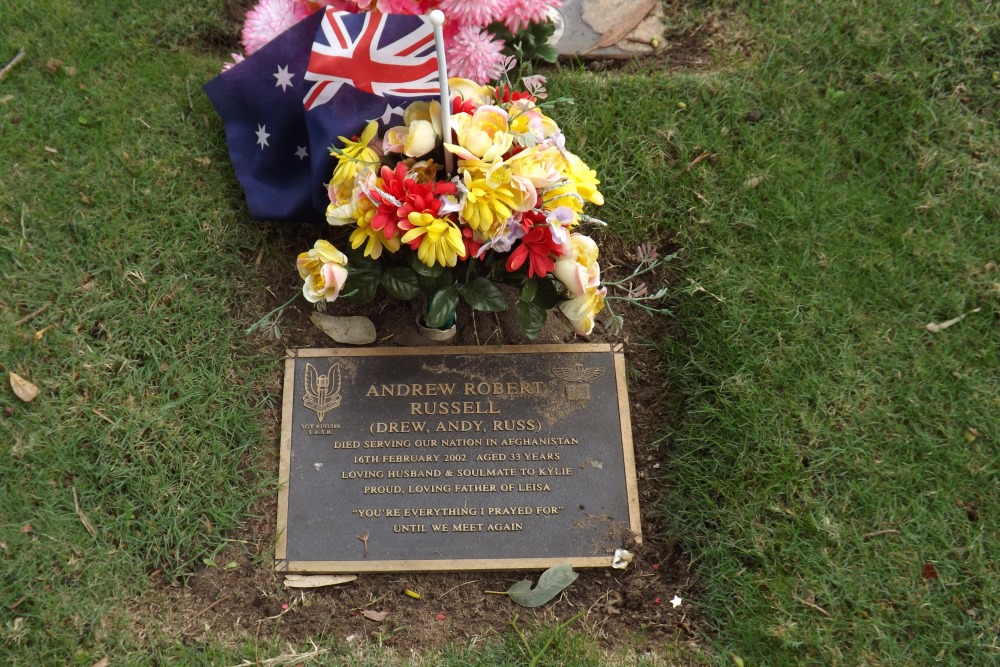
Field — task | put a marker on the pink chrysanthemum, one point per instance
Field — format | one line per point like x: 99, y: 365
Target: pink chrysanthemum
x: 304, y: 8
x: 472, y: 12
x: 517, y: 14
x: 266, y: 21
x: 237, y: 59
x: 475, y: 54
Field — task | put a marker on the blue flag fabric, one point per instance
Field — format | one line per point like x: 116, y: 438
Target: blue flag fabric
x: 361, y: 67
x: 260, y: 103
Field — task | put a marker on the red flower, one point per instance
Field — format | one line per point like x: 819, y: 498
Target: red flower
x: 472, y: 246
x: 538, y: 249
x: 458, y: 105
x: 505, y: 94
x: 422, y: 198
x: 395, y: 184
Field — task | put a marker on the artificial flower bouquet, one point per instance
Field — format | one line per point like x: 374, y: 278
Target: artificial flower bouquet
x: 510, y: 213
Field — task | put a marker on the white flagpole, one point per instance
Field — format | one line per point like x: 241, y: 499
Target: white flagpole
x: 437, y: 20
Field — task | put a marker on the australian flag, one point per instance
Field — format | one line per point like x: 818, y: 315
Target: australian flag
x: 327, y: 76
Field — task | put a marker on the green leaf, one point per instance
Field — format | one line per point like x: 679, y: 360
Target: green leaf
x: 547, y: 296
x: 552, y: 582
x: 547, y: 53
x: 529, y: 290
x: 442, y: 307
x: 531, y: 317
x: 362, y: 285
x: 482, y: 294
x: 424, y: 270
x: 401, y: 283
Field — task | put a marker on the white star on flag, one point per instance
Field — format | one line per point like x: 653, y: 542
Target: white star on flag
x: 284, y: 78
x: 262, y: 136
x: 301, y: 152
x: 388, y: 113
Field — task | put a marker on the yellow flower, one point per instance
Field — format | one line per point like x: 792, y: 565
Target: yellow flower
x: 489, y: 200
x: 542, y: 165
x: 470, y: 90
x: 585, y: 180
x: 577, y: 267
x: 420, y: 139
x: 355, y: 155
x: 526, y: 118
x: 482, y: 135
x: 324, y: 270
x: 440, y: 240
x: 373, y: 240
x: 581, y: 311
x: 579, y: 185
x: 426, y: 111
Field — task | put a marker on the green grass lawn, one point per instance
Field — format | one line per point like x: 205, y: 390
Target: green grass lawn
x: 832, y: 455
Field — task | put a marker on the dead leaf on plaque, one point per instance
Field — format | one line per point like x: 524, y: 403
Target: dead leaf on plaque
x: 625, y: 26
x: 24, y: 390
x: 377, y: 616
x: 347, y: 330
x: 317, y: 580
x: 364, y: 540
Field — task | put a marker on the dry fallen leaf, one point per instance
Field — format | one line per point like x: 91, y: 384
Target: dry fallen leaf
x: 626, y: 25
x: 377, y: 616
x: 22, y: 388
x: 317, y: 580
x: 934, y: 327
x: 41, y: 332
x: 353, y: 330
x: 103, y: 662
x: 364, y: 540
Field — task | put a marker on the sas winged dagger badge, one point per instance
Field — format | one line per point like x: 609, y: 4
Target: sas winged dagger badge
x: 322, y: 392
x: 578, y: 379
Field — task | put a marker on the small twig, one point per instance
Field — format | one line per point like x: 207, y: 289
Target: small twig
x: 103, y: 416
x: 693, y: 163
x: 32, y: 315
x: 879, y: 533
x: 24, y: 230
x: 206, y: 609
x: 934, y: 327
x: 459, y: 586
x: 812, y: 605
x: 83, y: 517
x: 9, y: 66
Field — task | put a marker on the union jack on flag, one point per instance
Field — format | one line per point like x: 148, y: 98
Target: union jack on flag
x: 380, y: 54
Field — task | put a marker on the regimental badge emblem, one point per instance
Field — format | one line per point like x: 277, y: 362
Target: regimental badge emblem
x: 321, y: 393
x: 577, y: 379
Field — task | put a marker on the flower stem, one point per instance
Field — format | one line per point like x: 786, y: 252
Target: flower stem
x: 264, y: 320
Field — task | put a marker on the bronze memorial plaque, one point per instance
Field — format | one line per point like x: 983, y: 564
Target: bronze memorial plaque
x: 455, y: 458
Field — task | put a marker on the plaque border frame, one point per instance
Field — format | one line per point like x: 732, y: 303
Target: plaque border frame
x: 282, y: 564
